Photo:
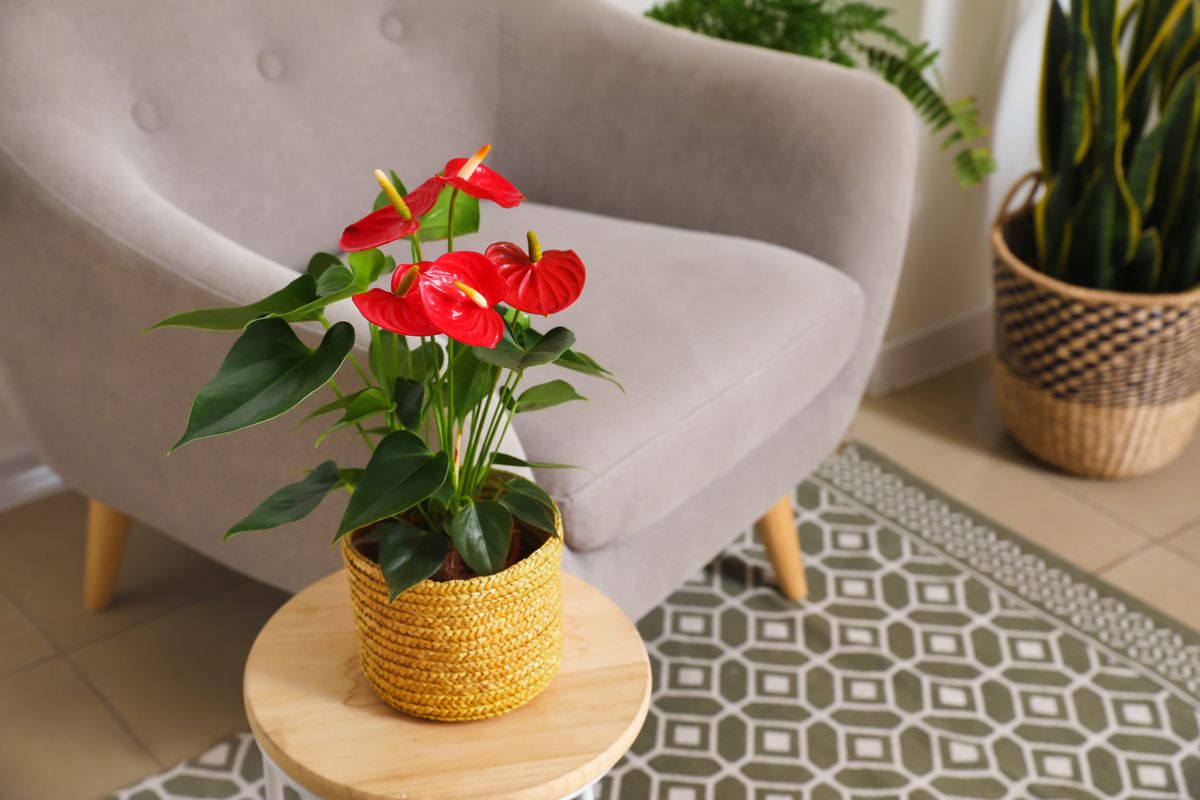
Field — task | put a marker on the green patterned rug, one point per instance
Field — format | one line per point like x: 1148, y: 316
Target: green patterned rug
x: 937, y: 656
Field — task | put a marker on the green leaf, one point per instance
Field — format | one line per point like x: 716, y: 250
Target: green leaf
x: 529, y: 511
x: 472, y: 379
x: 334, y: 405
x: 553, y: 344
x: 295, y: 295
x: 382, y: 199
x: 321, y: 262
x: 292, y: 502
x: 401, y: 473
x: 1147, y: 154
x: 349, y: 476
x: 410, y: 396
x: 334, y: 279
x: 505, y: 354
x: 365, y: 266
x: 545, y: 395
x: 268, y: 372
x: 542, y: 349
x: 435, y: 222
x: 527, y: 487
x: 366, y: 404
x: 505, y: 460
x: 408, y: 555
x: 581, y: 362
x: 482, y: 534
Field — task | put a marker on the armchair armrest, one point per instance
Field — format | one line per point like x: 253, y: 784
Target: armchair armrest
x: 607, y: 112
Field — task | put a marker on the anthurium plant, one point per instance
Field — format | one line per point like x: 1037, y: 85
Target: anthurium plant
x: 451, y: 341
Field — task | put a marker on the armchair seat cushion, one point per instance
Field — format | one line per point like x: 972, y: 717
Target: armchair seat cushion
x: 716, y: 339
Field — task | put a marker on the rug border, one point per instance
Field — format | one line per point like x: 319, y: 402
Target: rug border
x: 1188, y: 635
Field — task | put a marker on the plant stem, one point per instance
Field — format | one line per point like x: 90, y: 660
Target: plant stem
x: 450, y: 222
x: 361, y: 430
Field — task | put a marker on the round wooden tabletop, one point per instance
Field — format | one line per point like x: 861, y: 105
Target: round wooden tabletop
x: 314, y: 714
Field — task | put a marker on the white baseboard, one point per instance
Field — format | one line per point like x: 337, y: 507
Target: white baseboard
x: 916, y: 356
x: 23, y: 478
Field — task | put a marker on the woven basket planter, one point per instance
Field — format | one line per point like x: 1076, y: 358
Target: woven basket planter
x: 463, y: 649
x: 1099, y: 383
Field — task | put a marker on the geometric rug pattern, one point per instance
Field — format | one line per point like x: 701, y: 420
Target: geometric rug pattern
x: 937, y: 655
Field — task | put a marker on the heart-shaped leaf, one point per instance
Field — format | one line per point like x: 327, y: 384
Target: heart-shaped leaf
x: 408, y: 555
x: 410, y: 396
x: 321, y: 262
x: 334, y: 279
x: 529, y: 510
x: 402, y: 472
x: 541, y: 349
x: 482, y: 534
x: 365, y: 268
x: 529, y: 488
x: 268, y: 372
x: 582, y: 362
x: 435, y: 222
x: 366, y: 404
x: 292, y: 502
x: 545, y: 395
x: 295, y: 295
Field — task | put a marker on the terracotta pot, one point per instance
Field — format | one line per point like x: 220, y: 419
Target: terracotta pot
x: 1099, y: 383
x: 461, y: 649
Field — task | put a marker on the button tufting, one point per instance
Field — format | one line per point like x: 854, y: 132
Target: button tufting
x: 392, y: 26
x: 145, y: 115
x: 270, y: 65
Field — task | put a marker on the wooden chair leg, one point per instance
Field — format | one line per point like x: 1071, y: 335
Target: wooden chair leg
x: 777, y: 530
x: 106, y: 534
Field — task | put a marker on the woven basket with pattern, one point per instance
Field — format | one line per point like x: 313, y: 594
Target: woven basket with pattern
x: 464, y: 649
x: 1099, y: 383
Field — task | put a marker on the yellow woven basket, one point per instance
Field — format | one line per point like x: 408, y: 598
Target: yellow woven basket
x: 465, y: 649
x: 1100, y: 383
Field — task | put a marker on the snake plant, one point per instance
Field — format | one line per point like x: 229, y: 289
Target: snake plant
x: 852, y: 34
x: 1119, y: 121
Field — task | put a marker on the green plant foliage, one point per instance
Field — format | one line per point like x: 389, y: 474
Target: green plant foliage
x: 852, y: 34
x: 293, y: 502
x: 268, y: 372
x: 407, y: 554
x: 402, y: 472
x: 481, y: 532
x: 1118, y: 129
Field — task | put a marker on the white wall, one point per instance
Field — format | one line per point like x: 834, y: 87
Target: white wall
x: 992, y: 51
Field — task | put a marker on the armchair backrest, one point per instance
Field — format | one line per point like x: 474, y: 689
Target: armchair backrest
x: 260, y: 118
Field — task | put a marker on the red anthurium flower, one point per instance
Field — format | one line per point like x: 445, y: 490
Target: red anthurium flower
x: 401, y: 310
x: 459, y: 292
x: 538, y: 282
x: 400, y: 219
x: 469, y: 175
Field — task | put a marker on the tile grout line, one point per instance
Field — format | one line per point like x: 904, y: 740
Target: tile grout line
x: 1030, y: 462
x: 60, y: 655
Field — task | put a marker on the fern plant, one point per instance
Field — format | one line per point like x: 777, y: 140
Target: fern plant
x: 853, y: 34
x: 1119, y: 131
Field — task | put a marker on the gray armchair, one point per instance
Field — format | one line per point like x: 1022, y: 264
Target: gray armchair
x: 742, y: 214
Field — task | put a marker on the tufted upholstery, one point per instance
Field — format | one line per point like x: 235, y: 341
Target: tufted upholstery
x: 158, y: 156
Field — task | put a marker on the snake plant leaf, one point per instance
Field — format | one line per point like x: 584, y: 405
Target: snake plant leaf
x: 1146, y: 265
x: 408, y: 555
x: 366, y: 404
x: 1156, y: 22
x: 482, y: 534
x: 1147, y: 155
x: 546, y: 395
x: 295, y: 295
x: 268, y: 372
x: 1182, y: 59
x: 1056, y: 55
x: 402, y: 472
x: 291, y: 503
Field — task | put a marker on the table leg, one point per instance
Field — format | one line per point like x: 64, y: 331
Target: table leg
x: 274, y: 779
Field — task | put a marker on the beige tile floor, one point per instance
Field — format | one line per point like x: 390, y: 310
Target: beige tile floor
x: 91, y: 702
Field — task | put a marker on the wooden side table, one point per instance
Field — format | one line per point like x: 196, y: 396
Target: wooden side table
x: 318, y: 722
